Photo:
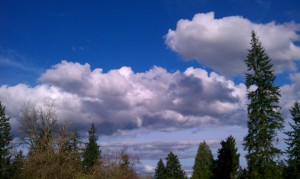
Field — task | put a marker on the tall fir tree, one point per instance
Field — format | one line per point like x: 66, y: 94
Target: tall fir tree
x: 173, y: 167
x: 227, y: 164
x: 264, y: 118
x: 92, y: 152
x: 160, y: 170
x: 203, y: 166
x: 293, y: 142
x: 5, y: 143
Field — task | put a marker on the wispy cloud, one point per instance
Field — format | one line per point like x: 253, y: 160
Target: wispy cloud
x: 14, y: 59
x: 8, y: 62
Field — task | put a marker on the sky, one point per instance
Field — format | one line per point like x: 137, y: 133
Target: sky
x: 154, y: 76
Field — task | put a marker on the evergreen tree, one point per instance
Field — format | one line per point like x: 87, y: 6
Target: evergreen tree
x: 75, y: 140
x: 173, y: 167
x: 160, y: 170
x: 227, y: 164
x: 263, y: 113
x: 242, y: 173
x: 91, y: 153
x: 293, y: 142
x: 5, y: 140
x: 17, y: 166
x: 203, y: 163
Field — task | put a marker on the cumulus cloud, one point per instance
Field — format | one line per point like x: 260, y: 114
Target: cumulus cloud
x: 222, y: 44
x: 290, y: 93
x: 122, y: 100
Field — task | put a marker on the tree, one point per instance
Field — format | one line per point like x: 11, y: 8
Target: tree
x: 293, y: 142
x: 38, y: 128
x: 227, y: 164
x: 263, y: 113
x: 160, y: 170
x: 17, y: 165
x: 5, y: 140
x: 173, y: 167
x: 91, y: 153
x: 47, y: 141
x: 203, y: 162
x: 116, y: 164
x: 74, y: 141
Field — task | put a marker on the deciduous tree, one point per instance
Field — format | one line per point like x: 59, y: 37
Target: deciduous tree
x: 48, y: 156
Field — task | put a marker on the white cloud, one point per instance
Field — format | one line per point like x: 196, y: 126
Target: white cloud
x: 149, y: 168
x: 290, y: 93
x: 122, y: 100
x: 222, y: 43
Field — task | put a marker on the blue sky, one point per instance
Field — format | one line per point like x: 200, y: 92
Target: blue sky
x: 146, y: 72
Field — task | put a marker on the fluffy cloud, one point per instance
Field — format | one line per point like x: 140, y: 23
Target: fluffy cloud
x: 222, y: 44
x: 290, y: 93
x: 122, y: 100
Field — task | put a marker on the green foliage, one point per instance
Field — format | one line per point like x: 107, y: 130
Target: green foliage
x: 173, y: 167
x: 160, y: 170
x: 5, y: 140
x: 91, y: 153
x: 293, y: 142
x: 74, y: 141
x: 263, y: 113
x: 203, y: 163
x: 227, y: 164
x: 242, y: 173
x: 17, y: 166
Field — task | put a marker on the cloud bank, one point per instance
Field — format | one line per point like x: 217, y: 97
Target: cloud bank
x: 222, y: 44
x: 123, y: 100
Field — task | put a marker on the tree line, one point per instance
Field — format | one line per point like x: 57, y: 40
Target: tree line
x: 264, y: 122
x: 56, y: 152
x: 226, y: 166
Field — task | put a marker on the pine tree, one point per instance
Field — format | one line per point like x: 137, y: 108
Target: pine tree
x: 263, y: 113
x: 173, y: 167
x: 5, y: 140
x: 227, y: 164
x: 203, y: 163
x: 160, y: 170
x: 293, y: 142
x: 75, y: 140
x: 91, y: 153
x: 17, y: 165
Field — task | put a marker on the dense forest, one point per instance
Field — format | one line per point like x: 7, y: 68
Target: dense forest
x: 55, y: 151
